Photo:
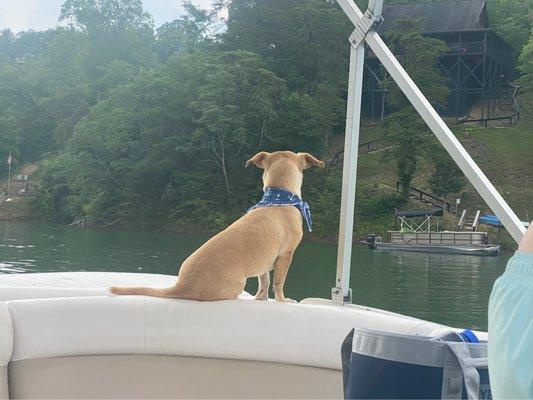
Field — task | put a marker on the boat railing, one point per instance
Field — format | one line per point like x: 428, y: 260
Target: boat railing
x: 442, y: 238
x: 476, y: 221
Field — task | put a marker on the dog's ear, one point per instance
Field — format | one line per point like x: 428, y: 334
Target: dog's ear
x: 309, y: 161
x: 258, y: 159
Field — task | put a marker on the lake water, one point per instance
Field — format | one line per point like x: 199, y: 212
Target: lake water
x: 449, y: 289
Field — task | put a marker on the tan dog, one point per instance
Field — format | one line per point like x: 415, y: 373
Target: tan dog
x: 261, y: 240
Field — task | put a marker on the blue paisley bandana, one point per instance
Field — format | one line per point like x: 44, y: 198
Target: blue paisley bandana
x: 281, y: 197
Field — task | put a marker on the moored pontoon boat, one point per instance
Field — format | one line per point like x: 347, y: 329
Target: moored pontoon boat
x: 416, y: 234
x: 481, y: 250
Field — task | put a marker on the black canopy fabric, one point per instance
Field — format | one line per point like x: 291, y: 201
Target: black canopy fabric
x: 420, y: 213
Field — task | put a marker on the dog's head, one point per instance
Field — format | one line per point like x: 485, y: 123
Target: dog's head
x: 283, y: 169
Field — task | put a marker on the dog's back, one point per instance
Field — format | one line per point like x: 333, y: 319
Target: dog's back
x: 247, y: 248
x: 261, y: 240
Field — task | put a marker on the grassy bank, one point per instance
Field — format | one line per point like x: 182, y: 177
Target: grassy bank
x: 18, y: 209
x: 505, y: 154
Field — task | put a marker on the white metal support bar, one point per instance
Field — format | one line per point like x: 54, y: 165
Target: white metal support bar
x: 458, y: 153
x: 362, y: 28
x: 341, y: 293
x: 375, y: 7
x: 462, y: 220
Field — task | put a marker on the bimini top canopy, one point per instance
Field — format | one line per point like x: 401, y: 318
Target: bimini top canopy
x: 420, y: 213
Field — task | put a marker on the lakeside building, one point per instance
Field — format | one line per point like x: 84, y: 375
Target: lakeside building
x: 479, y: 64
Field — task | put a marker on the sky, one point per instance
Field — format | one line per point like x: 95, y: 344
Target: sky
x: 20, y: 15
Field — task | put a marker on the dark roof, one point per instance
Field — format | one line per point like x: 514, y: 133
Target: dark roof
x: 440, y: 16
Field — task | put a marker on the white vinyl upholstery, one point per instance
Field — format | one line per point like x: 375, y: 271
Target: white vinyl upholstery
x: 302, y: 334
x: 71, y: 314
x: 6, y: 336
x: 75, y: 284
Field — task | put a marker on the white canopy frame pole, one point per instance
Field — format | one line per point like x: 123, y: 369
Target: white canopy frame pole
x: 341, y: 293
x: 456, y: 150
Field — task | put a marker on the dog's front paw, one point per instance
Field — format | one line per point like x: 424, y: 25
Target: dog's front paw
x: 286, y: 300
x: 262, y: 294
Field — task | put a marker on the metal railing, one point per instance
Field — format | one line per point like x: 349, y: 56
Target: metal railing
x: 466, y: 47
x: 364, y: 148
x: 513, y: 118
x: 427, y: 197
x: 449, y: 238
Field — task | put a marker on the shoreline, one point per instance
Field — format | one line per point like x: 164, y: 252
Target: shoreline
x: 194, y: 230
x: 181, y: 229
x: 18, y: 210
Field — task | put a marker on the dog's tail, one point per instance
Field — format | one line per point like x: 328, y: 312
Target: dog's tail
x: 144, y: 291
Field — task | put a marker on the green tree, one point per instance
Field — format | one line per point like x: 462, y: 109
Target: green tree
x: 446, y: 177
x: 525, y: 64
x: 418, y: 54
x: 303, y: 42
x: 24, y: 45
x: 512, y: 20
x: 306, y: 122
x: 23, y: 122
x: 173, y: 141
x: 187, y: 33
x: 236, y: 99
x: 105, y: 15
x: 409, y: 135
x: 115, y: 29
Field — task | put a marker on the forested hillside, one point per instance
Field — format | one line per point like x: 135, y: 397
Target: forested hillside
x: 138, y: 125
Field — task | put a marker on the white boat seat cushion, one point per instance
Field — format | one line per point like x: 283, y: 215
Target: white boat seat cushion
x: 76, y: 284
x: 73, y: 284
x: 6, y: 336
x: 303, y: 334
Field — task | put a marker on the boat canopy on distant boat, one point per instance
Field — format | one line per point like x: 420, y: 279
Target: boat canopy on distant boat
x: 420, y: 213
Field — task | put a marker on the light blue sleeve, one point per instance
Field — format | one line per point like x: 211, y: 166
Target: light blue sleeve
x: 510, y: 347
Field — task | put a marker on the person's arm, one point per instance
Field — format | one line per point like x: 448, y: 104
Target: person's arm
x: 526, y: 244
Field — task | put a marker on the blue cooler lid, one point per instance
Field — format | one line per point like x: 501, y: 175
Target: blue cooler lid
x: 469, y: 336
